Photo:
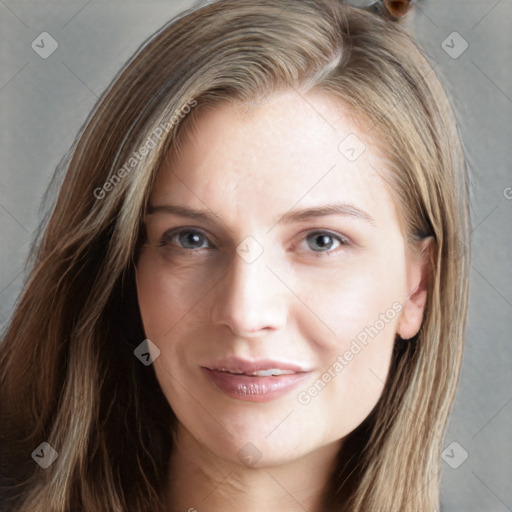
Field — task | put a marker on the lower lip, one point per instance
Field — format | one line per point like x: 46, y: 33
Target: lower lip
x: 252, y: 388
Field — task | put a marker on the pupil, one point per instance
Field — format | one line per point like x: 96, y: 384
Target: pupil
x: 324, y: 241
x: 191, y: 238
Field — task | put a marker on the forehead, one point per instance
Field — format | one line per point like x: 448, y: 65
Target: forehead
x: 287, y: 149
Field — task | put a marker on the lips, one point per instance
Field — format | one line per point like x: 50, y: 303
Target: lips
x: 256, y: 381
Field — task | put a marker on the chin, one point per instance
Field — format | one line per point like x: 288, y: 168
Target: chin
x: 251, y: 445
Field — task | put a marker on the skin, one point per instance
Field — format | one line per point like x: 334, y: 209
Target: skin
x: 300, y: 301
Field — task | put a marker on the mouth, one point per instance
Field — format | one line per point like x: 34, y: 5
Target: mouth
x: 256, y: 373
x: 255, y: 381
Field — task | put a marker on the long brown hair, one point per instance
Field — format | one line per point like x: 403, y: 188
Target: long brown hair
x: 68, y: 373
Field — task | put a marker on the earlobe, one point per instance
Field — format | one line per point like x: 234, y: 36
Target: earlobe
x: 418, y: 276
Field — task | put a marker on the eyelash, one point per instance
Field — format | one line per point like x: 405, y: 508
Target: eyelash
x: 170, y: 235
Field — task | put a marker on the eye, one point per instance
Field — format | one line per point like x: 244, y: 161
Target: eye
x: 325, y: 242
x: 187, y: 238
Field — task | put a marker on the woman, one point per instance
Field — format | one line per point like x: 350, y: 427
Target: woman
x: 251, y: 292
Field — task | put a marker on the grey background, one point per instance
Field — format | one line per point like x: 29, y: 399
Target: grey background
x: 43, y: 103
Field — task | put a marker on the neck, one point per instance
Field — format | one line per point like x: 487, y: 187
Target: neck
x: 200, y: 481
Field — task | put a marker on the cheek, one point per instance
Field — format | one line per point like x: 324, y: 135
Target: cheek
x: 172, y: 305
x: 361, y: 308
x: 342, y: 304
x: 354, y: 367
x: 165, y: 297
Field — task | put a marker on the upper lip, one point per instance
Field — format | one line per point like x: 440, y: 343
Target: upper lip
x: 238, y: 365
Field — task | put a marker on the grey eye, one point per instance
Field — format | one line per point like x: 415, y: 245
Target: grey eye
x: 190, y: 239
x: 321, y: 241
x: 186, y: 239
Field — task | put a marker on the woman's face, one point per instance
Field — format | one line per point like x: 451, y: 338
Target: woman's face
x: 274, y: 278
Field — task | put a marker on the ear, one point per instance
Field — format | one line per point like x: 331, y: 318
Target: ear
x: 419, y: 269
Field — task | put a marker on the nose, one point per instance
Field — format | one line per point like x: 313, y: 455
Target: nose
x: 250, y: 299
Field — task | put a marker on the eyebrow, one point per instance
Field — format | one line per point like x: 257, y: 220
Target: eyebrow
x: 294, y: 215
x: 345, y: 209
